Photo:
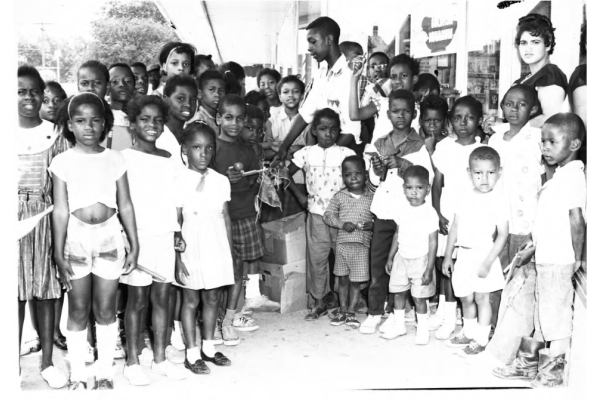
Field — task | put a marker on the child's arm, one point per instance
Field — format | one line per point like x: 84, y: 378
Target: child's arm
x: 392, y: 254
x: 436, y: 194
x: 499, y: 243
x: 428, y: 274
x: 577, y: 234
x: 60, y: 221
x: 298, y: 126
x: 180, y: 267
x: 302, y: 198
x: 179, y: 242
x: 356, y: 113
x: 331, y: 216
x: 228, y: 228
x: 128, y: 220
x: 448, y: 264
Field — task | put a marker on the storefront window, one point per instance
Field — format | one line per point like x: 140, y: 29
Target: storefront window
x: 443, y: 67
x: 483, y: 76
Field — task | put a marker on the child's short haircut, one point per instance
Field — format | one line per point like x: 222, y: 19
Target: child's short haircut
x: 380, y: 54
x: 349, y: 47
x: 404, y: 59
x: 139, y: 64
x: 33, y: 73
x: 254, y: 97
x: 122, y: 65
x: 536, y: 25
x: 326, y: 113
x: 268, y: 71
x: 427, y: 81
x: 231, y: 100
x: 94, y: 64
x: 433, y: 102
x: 485, y: 153
x: 357, y: 160
x: 200, y: 58
x: 403, y: 94
x: 232, y: 74
x: 179, y: 48
x: 179, y: 80
x: 208, y: 75
x: 55, y: 86
x: 253, y: 111
x: 61, y: 124
x: 291, y: 79
x: 198, y: 126
x: 137, y: 104
x: 529, y: 91
x: 417, y: 171
x: 569, y: 123
x: 468, y: 101
x: 326, y: 26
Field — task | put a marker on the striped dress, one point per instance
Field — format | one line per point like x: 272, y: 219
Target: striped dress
x: 38, y: 277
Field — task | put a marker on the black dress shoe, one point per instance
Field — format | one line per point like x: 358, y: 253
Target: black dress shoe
x: 219, y: 359
x: 103, y: 384
x: 61, y: 342
x: 199, y: 367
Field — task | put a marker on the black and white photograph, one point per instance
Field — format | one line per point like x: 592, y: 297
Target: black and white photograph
x: 323, y: 198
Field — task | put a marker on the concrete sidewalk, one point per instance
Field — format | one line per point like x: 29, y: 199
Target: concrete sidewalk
x: 288, y: 350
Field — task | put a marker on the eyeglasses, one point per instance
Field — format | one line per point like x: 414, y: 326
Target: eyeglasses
x: 378, y: 67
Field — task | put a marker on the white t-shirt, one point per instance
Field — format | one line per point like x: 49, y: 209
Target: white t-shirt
x: 552, y: 227
x: 479, y: 214
x: 168, y: 142
x: 415, y: 224
x: 154, y: 191
x: 90, y: 178
x: 323, y: 169
x: 521, y: 181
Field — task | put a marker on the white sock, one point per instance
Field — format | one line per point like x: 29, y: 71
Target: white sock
x: 441, y: 305
x: 450, y: 312
x: 77, y: 349
x: 470, y: 327
x: 422, y: 319
x: 177, y: 325
x: 252, y: 287
x: 192, y: 354
x: 427, y: 302
x: 398, y: 317
x: 105, y: 339
x: 208, y: 347
x: 482, y: 334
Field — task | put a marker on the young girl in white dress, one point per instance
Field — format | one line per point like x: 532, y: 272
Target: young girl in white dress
x: 206, y: 265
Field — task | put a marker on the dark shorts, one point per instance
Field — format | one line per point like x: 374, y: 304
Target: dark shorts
x: 247, y: 241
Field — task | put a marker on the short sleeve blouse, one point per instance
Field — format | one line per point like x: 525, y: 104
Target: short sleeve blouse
x: 578, y: 79
x: 548, y: 75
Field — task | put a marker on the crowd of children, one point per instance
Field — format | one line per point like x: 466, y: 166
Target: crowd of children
x: 155, y: 218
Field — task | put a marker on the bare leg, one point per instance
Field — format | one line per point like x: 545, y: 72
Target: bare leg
x: 209, y: 312
x: 58, y: 306
x: 484, y: 309
x: 400, y: 301
x: 22, y: 304
x: 420, y: 305
x: 469, y: 307
x: 80, y: 303
x: 343, y: 289
x: 235, y: 289
x: 171, y: 316
x: 45, y: 317
x: 189, y: 305
x: 136, y: 302
x: 159, y: 296
x: 354, y: 296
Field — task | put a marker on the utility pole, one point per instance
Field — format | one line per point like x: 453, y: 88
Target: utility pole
x: 43, y: 40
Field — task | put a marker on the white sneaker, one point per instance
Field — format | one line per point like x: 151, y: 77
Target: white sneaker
x: 394, y: 331
x: 422, y: 336
x: 388, y: 324
x: 146, y: 357
x: 262, y: 302
x: 55, y: 378
x: 173, y: 355
x: 170, y: 370
x: 370, y: 324
x: 245, y: 324
x: 230, y: 337
x: 246, y: 312
x: 177, y: 341
x: 445, y: 331
x: 135, y: 375
x: 435, y: 321
x: 410, y: 316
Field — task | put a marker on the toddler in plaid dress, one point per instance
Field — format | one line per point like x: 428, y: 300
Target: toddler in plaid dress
x: 350, y: 212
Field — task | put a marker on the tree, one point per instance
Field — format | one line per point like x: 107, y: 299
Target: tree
x: 132, y: 9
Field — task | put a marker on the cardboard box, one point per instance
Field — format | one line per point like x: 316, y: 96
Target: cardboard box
x: 285, y: 284
x: 285, y: 240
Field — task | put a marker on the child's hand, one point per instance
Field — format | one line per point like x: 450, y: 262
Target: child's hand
x: 427, y: 277
x: 448, y: 267
x: 65, y: 272
x: 348, y: 227
x: 389, y: 265
x: 443, y: 225
x: 130, y: 262
x: 275, y: 146
x: 484, y: 270
x: 524, y: 255
x: 391, y: 162
x: 368, y: 226
x: 303, y: 199
x: 233, y: 175
x: 377, y: 165
x: 179, y: 243
x: 180, y: 271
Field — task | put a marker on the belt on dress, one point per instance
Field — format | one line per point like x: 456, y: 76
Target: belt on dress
x: 27, y: 195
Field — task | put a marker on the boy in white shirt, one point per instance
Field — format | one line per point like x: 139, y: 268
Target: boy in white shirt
x: 558, y: 236
x: 411, y: 261
x: 477, y: 272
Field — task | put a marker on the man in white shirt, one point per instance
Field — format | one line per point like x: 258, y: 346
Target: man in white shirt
x: 330, y: 87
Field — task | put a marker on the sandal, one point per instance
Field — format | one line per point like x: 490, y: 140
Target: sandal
x: 61, y: 342
x: 219, y: 359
